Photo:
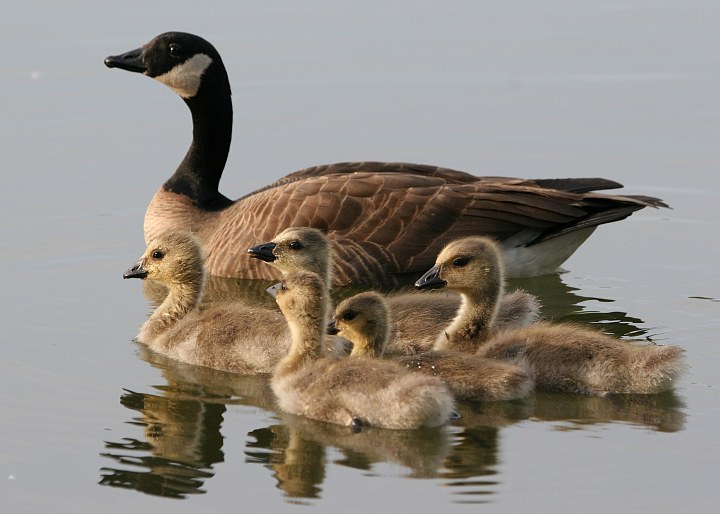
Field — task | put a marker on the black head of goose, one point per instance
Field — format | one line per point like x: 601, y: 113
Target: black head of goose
x: 192, y: 68
x: 388, y: 220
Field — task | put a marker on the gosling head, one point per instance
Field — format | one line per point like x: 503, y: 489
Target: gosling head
x: 171, y: 258
x: 297, y: 249
x: 301, y: 295
x: 363, y: 319
x: 466, y: 265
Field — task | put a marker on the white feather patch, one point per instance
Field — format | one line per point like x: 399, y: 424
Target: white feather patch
x: 185, y: 78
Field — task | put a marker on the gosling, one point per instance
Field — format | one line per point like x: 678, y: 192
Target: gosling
x: 354, y: 392
x: 230, y: 336
x: 364, y: 320
x: 559, y: 357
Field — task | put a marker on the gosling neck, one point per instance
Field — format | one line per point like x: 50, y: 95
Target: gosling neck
x: 368, y: 345
x: 307, y: 333
x: 475, y: 322
x: 324, y: 268
x: 198, y: 175
x: 181, y: 299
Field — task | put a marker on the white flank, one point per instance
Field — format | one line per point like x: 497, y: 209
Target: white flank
x: 542, y: 258
x: 185, y: 78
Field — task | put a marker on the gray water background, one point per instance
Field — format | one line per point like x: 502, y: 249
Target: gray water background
x: 90, y: 422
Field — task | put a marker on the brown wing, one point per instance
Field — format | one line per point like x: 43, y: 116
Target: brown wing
x: 390, y: 224
x: 576, y: 185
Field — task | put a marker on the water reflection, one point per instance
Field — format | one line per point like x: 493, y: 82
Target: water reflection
x: 182, y: 428
x: 297, y: 464
x: 182, y: 419
x: 182, y: 443
x: 297, y: 451
x: 561, y: 302
x: 662, y: 412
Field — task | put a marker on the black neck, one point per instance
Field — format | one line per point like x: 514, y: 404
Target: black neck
x: 198, y: 175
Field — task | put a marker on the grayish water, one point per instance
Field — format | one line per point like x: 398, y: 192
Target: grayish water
x: 624, y: 90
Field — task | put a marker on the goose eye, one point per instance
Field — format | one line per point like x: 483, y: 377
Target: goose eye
x: 174, y: 49
x: 460, y: 262
x: 349, y: 315
x: 158, y: 254
x: 295, y: 245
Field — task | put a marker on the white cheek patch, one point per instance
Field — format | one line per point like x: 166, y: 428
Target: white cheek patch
x: 185, y: 78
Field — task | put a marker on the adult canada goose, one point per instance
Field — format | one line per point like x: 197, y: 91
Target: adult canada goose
x: 386, y: 220
x: 417, y: 319
x: 228, y: 336
x: 364, y: 319
x: 560, y: 357
x: 352, y: 392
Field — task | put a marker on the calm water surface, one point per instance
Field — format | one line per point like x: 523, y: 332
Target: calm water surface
x: 92, y: 422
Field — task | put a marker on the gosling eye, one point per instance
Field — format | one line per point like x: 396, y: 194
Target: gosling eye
x: 174, y: 49
x: 296, y: 245
x: 157, y: 254
x: 460, y: 262
x: 349, y: 315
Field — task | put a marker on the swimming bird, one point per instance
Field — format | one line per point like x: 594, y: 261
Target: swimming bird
x: 417, y: 319
x: 559, y: 357
x: 386, y: 220
x: 234, y: 337
x: 354, y: 392
x: 364, y: 320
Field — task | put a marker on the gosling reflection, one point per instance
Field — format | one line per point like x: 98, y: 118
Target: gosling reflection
x: 469, y: 458
x: 661, y: 412
x: 297, y: 464
x: 181, y: 427
x: 473, y: 461
x: 182, y: 443
x: 421, y: 452
x: 297, y: 451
